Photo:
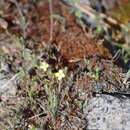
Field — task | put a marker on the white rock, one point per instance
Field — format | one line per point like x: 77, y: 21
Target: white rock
x: 108, y: 113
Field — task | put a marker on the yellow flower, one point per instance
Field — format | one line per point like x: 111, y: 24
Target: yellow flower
x: 44, y: 66
x: 60, y: 74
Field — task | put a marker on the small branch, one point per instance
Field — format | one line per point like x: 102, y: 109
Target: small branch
x: 38, y: 115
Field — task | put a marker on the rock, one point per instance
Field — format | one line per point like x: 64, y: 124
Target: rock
x: 7, y: 86
x: 105, y: 112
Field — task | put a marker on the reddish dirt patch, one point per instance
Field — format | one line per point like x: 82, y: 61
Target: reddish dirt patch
x: 72, y: 41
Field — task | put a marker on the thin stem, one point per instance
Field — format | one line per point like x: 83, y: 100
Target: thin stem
x: 51, y: 19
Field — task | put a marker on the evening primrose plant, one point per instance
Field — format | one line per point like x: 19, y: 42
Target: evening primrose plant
x: 52, y: 85
x: 59, y: 75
